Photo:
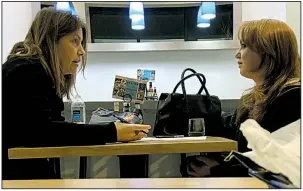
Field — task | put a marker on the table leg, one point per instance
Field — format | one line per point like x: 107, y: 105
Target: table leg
x: 134, y: 166
x: 83, y: 167
x: 57, y: 168
x: 183, y: 165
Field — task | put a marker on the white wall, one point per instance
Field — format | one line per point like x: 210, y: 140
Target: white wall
x: 80, y: 9
x: 262, y: 10
x: 293, y: 18
x: 17, y: 17
x: 219, y: 67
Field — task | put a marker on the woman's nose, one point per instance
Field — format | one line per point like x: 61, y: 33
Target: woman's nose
x: 81, y: 51
x: 238, y: 55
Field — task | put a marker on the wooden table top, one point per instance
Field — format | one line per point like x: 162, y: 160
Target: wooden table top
x: 138, y: 183
x: 210, y: 144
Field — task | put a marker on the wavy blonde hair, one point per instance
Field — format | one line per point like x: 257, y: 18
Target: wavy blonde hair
x: 276, y: 43
x: 48, y: 27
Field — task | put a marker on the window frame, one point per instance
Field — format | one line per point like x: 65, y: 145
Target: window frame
x: 150, y: 45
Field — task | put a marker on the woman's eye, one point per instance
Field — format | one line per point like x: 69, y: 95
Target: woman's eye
x: 75, y: 41
x: 243, y: 45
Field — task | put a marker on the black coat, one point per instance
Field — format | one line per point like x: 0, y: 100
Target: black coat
x: 283, y: 110
x: 31, y: 117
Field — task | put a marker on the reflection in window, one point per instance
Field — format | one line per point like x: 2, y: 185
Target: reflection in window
x: 112, y: 24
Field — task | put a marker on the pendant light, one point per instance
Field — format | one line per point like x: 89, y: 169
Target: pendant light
x: 136, y: 11
x: 138, y: 24
x: 66, y: 6
x: 201, y: 22
x: 208, y: 10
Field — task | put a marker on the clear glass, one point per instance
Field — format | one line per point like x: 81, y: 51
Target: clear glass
x: 196, y: 127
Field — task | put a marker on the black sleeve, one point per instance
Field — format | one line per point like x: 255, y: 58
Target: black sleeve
x: 27, y: 88
x: 284, y: 110
x: 229, y: 126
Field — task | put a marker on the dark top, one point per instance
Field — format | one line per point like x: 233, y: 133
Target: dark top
x: 285, y: 109
x: 32, y: 118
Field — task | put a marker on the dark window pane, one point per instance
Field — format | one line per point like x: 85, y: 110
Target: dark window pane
x: 160, y: 24
x: 220, y: 27
x: 110, y: 23
x: 164, y: 23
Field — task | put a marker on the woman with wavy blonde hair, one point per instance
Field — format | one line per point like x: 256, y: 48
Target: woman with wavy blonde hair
x: 269, y: 56
x: 38, y: 73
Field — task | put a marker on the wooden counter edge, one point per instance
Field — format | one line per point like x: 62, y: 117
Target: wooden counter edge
x: 139, y: 183
x: 153, y: 147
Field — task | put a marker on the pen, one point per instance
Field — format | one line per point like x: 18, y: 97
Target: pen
x: 280, y: 185
x: 141, y: 131
x: 124, y: 121
x: 121, y: 119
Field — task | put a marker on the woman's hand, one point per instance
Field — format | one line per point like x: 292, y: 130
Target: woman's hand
x: 130, y: 132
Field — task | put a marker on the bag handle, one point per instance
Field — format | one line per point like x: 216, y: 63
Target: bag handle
x: 202, y: 82
x: 184, y: 91
x: 189, y: 76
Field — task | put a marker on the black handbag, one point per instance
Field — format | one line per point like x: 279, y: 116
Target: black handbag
x: 174, y: 110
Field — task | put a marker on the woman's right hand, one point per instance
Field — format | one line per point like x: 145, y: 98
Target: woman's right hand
x: 130, y: 132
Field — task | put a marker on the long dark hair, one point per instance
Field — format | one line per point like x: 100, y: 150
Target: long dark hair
x: 48, y: 27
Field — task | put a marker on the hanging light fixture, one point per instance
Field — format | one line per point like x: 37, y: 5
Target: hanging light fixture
x: 201, y: 22
x: 66, y: 6
x: 138, y: 24
x: 136, y: 10
x: 208, y: 10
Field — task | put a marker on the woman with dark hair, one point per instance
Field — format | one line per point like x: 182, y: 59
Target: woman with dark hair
x: 38, y: 73
x: 269, y: 56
